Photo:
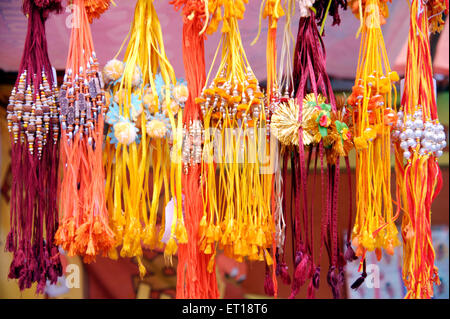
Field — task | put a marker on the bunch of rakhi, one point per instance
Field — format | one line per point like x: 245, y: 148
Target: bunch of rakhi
x: 237, y: 215
x: 371, y: 99
x: 84, y: 228
x: 419, y: 139
x: 193, y: 278
x: 32, y: 116
x: 311, y: 124
x: 145, y: 114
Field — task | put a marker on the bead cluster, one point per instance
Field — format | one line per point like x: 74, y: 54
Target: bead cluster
x: 232, y: 100
x: 192, y: 144
x: 32, y: 112
x: 275, y: 100
x: 82, y: 99
x: 414, y: 134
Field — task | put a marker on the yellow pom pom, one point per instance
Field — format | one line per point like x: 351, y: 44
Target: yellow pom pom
x: 120, y: 97
x: 136, y: 80
x: 125, y: 132
x: 181, y: 93
x: 113, y: 70
x: 170, y: 105
x: 156, y: 129
x: 151, y: 102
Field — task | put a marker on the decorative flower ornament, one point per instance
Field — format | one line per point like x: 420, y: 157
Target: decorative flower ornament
x: 323, y: 119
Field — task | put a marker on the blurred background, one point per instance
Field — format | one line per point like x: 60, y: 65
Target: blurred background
x: 119, y: 279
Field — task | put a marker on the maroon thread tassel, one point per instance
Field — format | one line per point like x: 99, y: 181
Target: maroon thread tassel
x: 31, y: 113
x: 268, y: 283
x: 349, y: 253
x: 282, y: 272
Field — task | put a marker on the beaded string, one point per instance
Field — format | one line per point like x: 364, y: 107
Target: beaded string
x: 84, y: 224
x: 193, y: 278
x: 237, y: 215
x: 419, y: 140
x: 273, y: 11
x: 32, y: 116
x: 372, y: 98
x: 302, y: 125
x: 145, y: 118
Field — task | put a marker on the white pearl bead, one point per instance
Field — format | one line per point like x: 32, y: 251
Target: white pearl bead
x: 418, y: 133
x: 443, y: 144
x: 400, y: 114
x: 428, y: 125
x: 403, y: 136
x: 439, y: 153
x: 418, y: 124
x: 428, y: 135
x: 406, y: 154
x: 418, y: 114
x: 409, y: 133
x: 426, y: 144
x: 408, y: 123
x: 411, y: 143
x: 404, y: 145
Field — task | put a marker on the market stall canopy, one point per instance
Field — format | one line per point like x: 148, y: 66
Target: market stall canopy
x: 112, y: 27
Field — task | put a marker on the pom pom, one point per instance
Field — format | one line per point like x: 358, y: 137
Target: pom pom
x: 137, y: 77
x: 125, y: 132
x: 170, y: 105
x: 151, y: 102
x: 113, y: 70
x: 156, y: 129
x: 181, y: 93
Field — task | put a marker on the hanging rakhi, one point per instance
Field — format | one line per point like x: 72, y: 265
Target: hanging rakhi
x: 144, y: 112
x: 237, y: 214
x: 273, y: 10
x: 32, y: 116
x: 84, y: 226
x: 284, y: 83
x: 419, y: 139
x: 193, y: 279
x: 312, y: 122
x: 372, y: 99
